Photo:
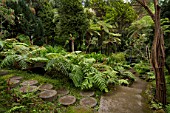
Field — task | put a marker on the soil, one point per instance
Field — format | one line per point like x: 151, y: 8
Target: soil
x: 123, y: 99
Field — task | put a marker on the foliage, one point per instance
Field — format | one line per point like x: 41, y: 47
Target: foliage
x: 116, y: 58
x: 72, y: 20
x: 140, y: 35
x: 25, y: 21
x: 7, y: 16
x: 16, y: 61
x: 168, y: 108
x: 60, y: 64
x: 24, y: 39
x: 142, y: 67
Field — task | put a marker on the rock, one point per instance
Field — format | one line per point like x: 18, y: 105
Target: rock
x: 48, y: 95
x: 62, y: 92
x: 67, y: 100
x: 13, y: 83
x: 87, y: 93
x: 88, y: 102
x: 29, y: 82
x: 27, y: 89
x: 46, y: 87
x: 3, y: 72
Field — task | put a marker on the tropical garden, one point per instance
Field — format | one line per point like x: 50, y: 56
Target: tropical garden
x: 82, y: 45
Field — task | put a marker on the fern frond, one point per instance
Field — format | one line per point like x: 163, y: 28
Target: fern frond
x: 123, y: 82
x: 129, y: 75
x: 38, y: 59
x: 76, y: 75
x: 100, y: 82
x: 11, y: 60
x: 58, y: 64
x: 38, y: 52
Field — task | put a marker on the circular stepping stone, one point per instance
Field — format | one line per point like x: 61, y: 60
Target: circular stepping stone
x: 87, y: 93
x: 67, y: 100
x: 88, y: 102
x: 27, y: 89
x: 62, y: 92
x: 3, y: 72
x: 48, y: 95
x: 46, y: 87
x: 16, y: 78
x: 29, y: 82
x: 14, y: 83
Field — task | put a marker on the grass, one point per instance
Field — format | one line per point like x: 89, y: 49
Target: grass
x: 6, y: 98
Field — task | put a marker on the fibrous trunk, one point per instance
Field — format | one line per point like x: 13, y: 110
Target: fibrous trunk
x: 158, y: 58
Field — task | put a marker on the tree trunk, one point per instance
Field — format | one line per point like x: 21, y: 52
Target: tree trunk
x: 72, y: 45
x: 158, y: 57
x: 158, y: 51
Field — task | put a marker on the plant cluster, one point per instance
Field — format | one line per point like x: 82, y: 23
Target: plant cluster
x: 85, y: 70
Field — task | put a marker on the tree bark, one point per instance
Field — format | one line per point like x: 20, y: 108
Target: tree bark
x: 158, y: 57
x: 158, y: 51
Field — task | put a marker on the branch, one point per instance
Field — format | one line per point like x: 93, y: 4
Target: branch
x: 143, y: 4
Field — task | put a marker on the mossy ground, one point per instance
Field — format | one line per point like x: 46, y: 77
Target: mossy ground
x: 55, y: 106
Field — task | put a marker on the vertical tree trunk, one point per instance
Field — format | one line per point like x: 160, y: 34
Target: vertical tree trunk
x: 158, y: 57
x: 158, y: 51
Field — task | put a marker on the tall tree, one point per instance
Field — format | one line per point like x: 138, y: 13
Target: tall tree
x: 158, y: 51
x: 73, y: 21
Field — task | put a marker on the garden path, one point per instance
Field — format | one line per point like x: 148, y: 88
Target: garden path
x: 123, y: 99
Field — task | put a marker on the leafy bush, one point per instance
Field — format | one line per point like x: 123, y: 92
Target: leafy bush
x: 168, y: 108
x: 117, y: 57
x: 142, y: 67
x: 98, y: 57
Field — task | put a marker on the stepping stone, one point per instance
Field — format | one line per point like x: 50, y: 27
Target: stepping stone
x: 13, y: 83
x: 88, y: 102
x: 67, y: 100
x: 62, y: 92
x: 48, y: 95
x: 3, y: 72
x: 87, y: 93
x: 46, y: 87
x: 16, y: 78
x: 28, y: 89
x: 29, y: 82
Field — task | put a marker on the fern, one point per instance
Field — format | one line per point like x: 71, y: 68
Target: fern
x: 38, y: 52
x: 129, y: 75
x: 38, y: 59
x: 11, y: 60
x: 59, y: 64
x: 76, y: 75
x: 100, y: 82
x: 123, y: 82
x: 94, y: 78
